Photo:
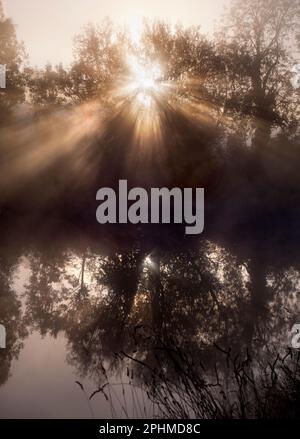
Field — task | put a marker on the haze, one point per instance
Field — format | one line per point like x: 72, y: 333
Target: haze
x: 47, y: 27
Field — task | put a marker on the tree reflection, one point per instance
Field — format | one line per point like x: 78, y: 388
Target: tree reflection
x: 127, y: 307
x: 107, y: 302
x: 10, y: 313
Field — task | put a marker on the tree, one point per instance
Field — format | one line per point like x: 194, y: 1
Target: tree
x: 99, y: 60
x: 12, y: 55
x: 49, y: 87
x: 256, y: 46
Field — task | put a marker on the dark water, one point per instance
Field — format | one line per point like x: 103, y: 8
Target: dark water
x: 102, y: 314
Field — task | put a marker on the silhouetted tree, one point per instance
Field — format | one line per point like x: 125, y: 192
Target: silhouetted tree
x: 12, y: 55
x: 257, y: 51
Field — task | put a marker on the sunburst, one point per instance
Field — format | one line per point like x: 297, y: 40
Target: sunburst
x: 145, y: 80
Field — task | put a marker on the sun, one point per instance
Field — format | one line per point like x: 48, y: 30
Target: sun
x: 145, y: 80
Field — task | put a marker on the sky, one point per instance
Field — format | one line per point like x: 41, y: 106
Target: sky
x: 47, y: 27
